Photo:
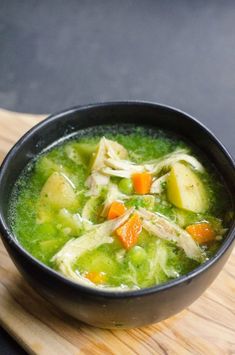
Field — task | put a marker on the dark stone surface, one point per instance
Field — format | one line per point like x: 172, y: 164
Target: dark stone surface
x: 56, y: 54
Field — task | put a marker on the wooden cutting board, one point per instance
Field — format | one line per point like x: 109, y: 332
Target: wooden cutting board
x: 206, y: 327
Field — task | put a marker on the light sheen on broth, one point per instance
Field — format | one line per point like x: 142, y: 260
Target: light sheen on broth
x: 125, y: 210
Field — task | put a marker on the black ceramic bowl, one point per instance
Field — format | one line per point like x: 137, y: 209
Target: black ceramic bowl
x: 104, y: 308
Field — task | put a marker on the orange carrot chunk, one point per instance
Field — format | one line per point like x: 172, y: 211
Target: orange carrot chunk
x: 116, y: 209
x: 142, y: 182
x: 95, y: 277
x: 128, y: 233
x: 201, y: 232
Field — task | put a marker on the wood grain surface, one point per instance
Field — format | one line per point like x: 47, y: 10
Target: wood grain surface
x: 206, y: 327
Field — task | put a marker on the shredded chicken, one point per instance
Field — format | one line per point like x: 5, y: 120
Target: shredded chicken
x: 156, y: 187
x: 107, y: 149
x: 96, y: 181
x: 167, y: 161
x: 125, y: 168
x: 163, y: 228
x: 74, y: 248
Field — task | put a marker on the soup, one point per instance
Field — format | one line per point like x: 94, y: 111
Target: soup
x: 124, y: 210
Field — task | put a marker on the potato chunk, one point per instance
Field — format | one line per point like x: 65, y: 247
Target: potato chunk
x: 58, y: 192
x: 186, y: 190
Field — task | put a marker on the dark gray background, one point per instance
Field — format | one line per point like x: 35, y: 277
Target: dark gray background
x: 56, y: 54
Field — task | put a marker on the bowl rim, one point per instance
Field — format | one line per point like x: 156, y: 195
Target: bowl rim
x: 10, y: 238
